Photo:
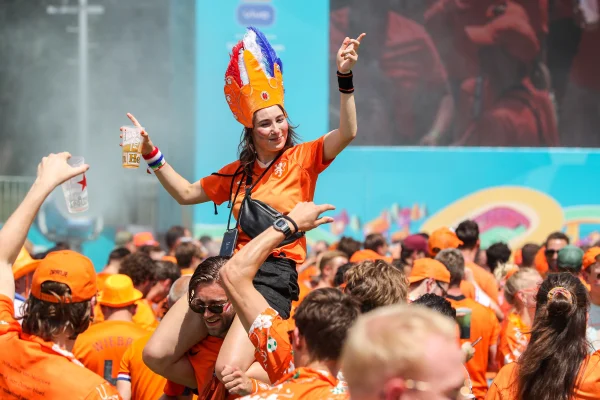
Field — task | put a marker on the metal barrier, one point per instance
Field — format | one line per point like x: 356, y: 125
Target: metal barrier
x: 144, y: 191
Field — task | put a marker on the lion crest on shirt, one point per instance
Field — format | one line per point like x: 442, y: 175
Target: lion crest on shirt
x: 279, y: 169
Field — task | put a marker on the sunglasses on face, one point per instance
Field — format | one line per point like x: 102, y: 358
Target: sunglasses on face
x: 199, y: 308
x: 550, y: 252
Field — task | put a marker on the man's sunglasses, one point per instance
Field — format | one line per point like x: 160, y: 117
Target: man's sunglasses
x: 550, y: 252
x: 196, y: 307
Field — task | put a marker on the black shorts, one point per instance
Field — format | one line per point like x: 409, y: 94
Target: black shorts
x: 277, y: 281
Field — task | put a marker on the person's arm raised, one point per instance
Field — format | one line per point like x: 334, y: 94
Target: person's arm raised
x: 51, y: 172
x: 184, y: 192
x: 237, y: 274
x: 337, y: 140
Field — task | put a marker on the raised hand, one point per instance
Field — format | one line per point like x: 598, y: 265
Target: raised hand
x: 236, y: 382
x: 307, y: 215
x: 347, y: 55
x: 54, y: 170
x: 147, y: 145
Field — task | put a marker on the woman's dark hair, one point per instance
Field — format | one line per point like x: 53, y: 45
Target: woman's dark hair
x: 549, y: 366
x: 247, y: 151
x: 47, y: 320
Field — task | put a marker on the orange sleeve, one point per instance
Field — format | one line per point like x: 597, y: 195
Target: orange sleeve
x: 269, y: 335
x: 8, y: 323
x: 104, y: 391
x: 493, y: 392
x: 124, y: 365
x: 203, y: 358
x: 217, y: 187
x: 310, y: 156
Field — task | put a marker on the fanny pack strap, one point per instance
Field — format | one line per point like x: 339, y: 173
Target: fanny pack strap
x: 249, y: 185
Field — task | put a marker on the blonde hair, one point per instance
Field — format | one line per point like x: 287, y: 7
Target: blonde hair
x: 390, y: 342
x: 519, y: 281
x: 376, y: 284
x: 502, y: 269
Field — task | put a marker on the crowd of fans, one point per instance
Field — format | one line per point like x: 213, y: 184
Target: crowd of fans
x: 430, y: 316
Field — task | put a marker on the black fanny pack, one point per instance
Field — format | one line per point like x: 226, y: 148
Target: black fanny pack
x: 255, y: 216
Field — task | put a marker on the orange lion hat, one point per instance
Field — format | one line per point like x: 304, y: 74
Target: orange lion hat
x: 253, y: 79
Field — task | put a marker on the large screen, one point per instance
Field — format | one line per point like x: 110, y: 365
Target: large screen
x: 518, y: 73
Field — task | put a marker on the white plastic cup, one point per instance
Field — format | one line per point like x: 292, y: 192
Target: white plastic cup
x: 75, y: 189
x: 132, y: 146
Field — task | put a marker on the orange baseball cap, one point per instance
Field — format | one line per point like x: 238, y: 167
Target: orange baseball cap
x: 24, y: 264
x: 119, y: 292
x: 442, y: 239
x: 170, y: 259
x: 590, y: 256
x: 364, y: 255
x: 144, y: 239
x: 429, y: 268
x: 71, y: 268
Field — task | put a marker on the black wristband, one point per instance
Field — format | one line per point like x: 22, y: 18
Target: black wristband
x: 291, y: 221
x: 345, y: 83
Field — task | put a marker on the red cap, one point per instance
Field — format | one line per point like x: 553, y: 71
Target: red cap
x: 415, y: 243
x: 511, y: 30
x: 73, y: 269
x: 144, y: 239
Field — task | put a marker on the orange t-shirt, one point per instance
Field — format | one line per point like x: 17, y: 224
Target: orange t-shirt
x: 302, y: 293
x: 486, y: 280
x: 587, y: 386
x: 468, y: 289
x: 102, y: 346
x: 290, y: 181
x: 144, y: 315
x: 484, y: 324
x: 303, y: 383
x: 145, y: 384
x: 273, y: 350
x: 34, y: 369
x: 514, y: 338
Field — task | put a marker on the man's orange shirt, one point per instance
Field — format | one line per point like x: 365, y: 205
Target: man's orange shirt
x: 486, y: 280
x: 144, y: 316
x: 273, y: 350
x: 484, y: 324
x: 514, y: 338
x: 587, y: 386
x: 34, y: 369
x: 102, y: 346
x: 305, y: 384
x: 468, y: 289
x: 145, y: 384
x: 290, y: 181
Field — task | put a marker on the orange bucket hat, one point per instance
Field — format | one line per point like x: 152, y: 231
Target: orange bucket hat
x: 429, y: 268
x: 24, y: 264
x: 71, y: 268
x: 119, y: 292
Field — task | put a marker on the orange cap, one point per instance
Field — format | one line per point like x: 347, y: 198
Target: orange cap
x: 590, y: 256
x: 429, y: 268
x: 24, y: 264
x: 119, y: 292
x: 144, y: 239
x: 66, y: 266
x: 364, y: 255
x: 540, y: 262
x: 442, y: 239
